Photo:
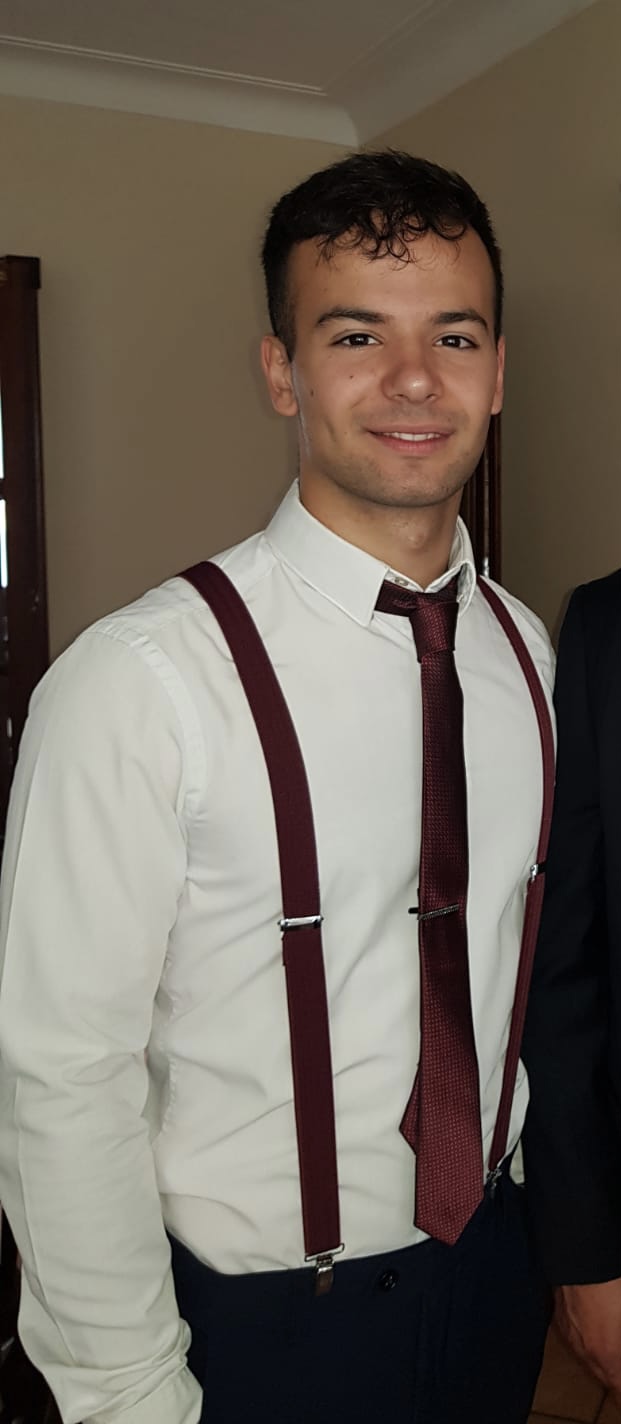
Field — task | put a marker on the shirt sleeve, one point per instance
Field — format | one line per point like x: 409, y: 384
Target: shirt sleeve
x: 94, y: 865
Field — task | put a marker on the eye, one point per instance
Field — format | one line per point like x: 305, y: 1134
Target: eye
x: 356, y: 339
x: 454, y: 341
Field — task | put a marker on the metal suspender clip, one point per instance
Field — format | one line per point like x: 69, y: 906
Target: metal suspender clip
x: 300, y: 922
x: 493, y: 1178
x: 324, y: 1268
x: 535, y: 870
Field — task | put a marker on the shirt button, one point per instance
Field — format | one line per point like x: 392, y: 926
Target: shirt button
x: 388, y: 1280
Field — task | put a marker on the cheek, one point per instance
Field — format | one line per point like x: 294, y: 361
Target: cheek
x: 323, y: 398
x: 330, y: 399
x: 478, y: 395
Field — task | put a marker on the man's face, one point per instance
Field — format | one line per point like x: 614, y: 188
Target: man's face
x: 395, y: 372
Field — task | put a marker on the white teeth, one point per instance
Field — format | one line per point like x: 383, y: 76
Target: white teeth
x: 413, y: 439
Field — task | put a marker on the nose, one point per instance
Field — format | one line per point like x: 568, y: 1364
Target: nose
x: 412, y: 374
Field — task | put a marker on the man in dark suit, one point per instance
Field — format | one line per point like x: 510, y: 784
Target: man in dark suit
x: 572, y: 1048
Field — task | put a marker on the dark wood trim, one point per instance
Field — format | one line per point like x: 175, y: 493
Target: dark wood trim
x: 23, y: 605
x: 24, y: 654
x: 481, y: 505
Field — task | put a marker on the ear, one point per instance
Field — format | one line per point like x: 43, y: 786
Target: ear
x: 277, y: 372
x: 500, y: 377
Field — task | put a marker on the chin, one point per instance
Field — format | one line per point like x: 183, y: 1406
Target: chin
x: 416, y: 496
x: 410, y: 489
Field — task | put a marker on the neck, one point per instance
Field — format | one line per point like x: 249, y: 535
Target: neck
x: 414, y: 542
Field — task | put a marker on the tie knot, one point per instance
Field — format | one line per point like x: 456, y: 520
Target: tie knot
x: 433, y: 616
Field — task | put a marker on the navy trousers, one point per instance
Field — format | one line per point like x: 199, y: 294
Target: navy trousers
x: 427, y: 1335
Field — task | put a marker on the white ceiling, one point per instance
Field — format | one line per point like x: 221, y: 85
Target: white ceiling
x: 335, y: 69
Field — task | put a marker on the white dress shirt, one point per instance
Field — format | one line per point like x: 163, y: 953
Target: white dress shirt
x: 141, y: 897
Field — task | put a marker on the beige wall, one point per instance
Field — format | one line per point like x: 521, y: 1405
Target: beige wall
x: 159, y: 446
x: 540, y: 137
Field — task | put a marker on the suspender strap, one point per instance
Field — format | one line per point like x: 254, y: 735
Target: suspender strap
x: 536, y: 881
x: 301, y: 922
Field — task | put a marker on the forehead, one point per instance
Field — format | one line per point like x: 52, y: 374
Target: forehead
x: 434, y: 272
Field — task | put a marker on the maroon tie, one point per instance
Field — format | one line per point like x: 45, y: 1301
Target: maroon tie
x: 442, y: 1121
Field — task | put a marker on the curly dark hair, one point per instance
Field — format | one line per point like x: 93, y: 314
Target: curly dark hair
x: 379, y: 201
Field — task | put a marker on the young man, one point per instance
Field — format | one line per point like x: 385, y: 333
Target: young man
x: 572, y: 1043
x: 147, y: 1057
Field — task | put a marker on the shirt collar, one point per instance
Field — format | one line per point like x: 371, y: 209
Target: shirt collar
x: 346, y: 575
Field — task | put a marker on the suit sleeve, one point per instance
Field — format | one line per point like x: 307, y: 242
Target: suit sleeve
x: 572, y: 1146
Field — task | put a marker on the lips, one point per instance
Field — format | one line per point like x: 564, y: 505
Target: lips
x: 411, y: 437
x: 419, y: 442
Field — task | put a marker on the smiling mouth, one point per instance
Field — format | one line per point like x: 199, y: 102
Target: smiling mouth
x: 419, y: 440
x: 411, y: 437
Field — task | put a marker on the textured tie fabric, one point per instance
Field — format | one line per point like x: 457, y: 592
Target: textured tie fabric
x: 442, y: 1121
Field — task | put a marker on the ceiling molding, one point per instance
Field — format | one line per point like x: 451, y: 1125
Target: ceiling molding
x: 29, y: 70
x: 441, y: 46
x: 446, y: 45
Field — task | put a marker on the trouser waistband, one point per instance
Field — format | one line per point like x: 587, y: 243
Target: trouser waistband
x: 246, y: 1292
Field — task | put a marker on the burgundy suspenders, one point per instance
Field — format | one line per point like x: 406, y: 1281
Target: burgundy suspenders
x: 300, y: 924
x: 301, y: 920
x: 536, y: 879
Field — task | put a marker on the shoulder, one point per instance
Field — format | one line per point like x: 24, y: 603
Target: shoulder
x: 143, y: 666
x: 590, y: 638
x: 598, y: 603
x: 121, y: 652
x: 115, y: 684
x: 158, y: 612
x: 160, y: 628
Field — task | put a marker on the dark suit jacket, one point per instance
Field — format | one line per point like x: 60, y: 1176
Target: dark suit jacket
x: 572, y: 1047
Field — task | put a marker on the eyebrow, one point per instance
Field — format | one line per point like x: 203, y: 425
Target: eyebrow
x: 452, y: 318
x: 375, y: 318
x: 370, y: 318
